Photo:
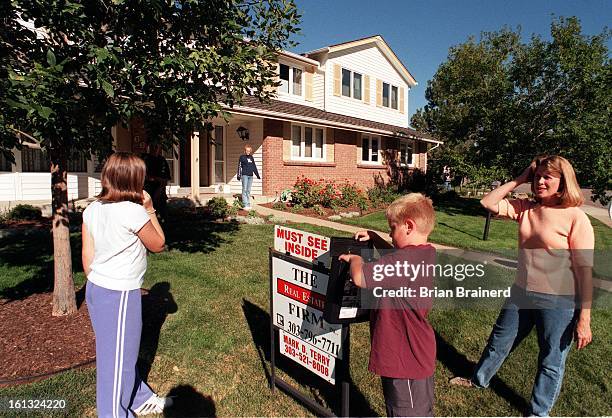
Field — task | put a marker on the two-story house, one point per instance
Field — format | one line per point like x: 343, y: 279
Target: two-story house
x: 341, y: 112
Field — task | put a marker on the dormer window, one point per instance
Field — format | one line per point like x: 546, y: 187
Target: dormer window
x: 291, y: 80
x: 390, y: 96
x: 351, y: 84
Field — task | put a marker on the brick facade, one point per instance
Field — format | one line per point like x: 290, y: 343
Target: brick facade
x: 280, y: 173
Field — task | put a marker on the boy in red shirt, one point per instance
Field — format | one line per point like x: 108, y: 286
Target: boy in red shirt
x: 403, y: 351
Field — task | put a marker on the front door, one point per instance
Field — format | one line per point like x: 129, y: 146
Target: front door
x: 218, y: 156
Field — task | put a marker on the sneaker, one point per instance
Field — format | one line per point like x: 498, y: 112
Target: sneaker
x: 461, y: 381
x: 154, y: 405
x: 247, y: 208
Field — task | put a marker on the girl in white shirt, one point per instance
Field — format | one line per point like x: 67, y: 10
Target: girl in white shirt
x: 118, y: 229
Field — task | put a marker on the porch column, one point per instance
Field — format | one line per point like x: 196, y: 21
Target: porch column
x: 195, y: 165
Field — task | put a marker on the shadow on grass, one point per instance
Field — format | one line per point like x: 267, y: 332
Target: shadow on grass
x: 459, y: 365
x: 157, y: 304
x: 320, y: 391
x: 32, y: 251
x: 459, y: 230
x: 192, y: 233
x: 459, y: 206
x: 188, y: 402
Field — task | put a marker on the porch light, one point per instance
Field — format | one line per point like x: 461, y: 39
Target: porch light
x: 243, y: 133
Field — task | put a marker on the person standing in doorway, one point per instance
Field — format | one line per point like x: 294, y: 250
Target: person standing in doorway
x: 246, y: 169
x: 158, y: 176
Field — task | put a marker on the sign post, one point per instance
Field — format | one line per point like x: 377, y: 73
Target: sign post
x: 299, y: 278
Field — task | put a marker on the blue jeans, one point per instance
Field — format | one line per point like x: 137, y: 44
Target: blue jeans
x: 554, y: 319
x: 247, y: 182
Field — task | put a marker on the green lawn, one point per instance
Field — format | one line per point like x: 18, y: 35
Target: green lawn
x: 213, y: 351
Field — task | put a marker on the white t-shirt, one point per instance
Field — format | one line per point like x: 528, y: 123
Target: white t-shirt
x: 120, y: 258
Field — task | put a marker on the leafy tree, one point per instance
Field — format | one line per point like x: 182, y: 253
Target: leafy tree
x: 499, y: 102
x: 70, y: 70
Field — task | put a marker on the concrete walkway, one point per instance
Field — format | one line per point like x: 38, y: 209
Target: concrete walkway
x: 485, y: 258
x: 599, y: 213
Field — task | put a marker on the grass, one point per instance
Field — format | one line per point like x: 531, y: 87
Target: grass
x: 213, y: 351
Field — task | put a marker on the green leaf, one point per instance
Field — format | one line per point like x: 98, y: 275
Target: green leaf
x: 45, y: 112
x: 19, y: 105
x: 108, y: 89
x: 51, y: 58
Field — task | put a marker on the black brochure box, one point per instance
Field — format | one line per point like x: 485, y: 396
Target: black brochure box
x: 342, y: 304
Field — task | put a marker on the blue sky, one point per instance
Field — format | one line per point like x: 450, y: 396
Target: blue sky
x: 420, y: 32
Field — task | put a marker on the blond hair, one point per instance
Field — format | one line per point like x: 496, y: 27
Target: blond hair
x: 413, y: 206
x: 569, y: 190
x: 122, y: 178
x: 248, y: 146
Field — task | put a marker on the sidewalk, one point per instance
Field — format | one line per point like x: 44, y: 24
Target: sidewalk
x: 478, y: 256
x: 601, y: 214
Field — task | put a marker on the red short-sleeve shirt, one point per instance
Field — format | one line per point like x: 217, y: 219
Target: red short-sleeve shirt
x: 403, y: 342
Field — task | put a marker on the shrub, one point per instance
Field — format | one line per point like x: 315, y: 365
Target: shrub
x: 252, y: 214
x: 319, y: 210
x: 279, y: 206
x: 350, y: 194
x: 382, y: 195
x: 362, y: 203
x: 303, y: 192
x: 237, y: 203
x: 297, y: 208
x: 218, y: 207
x: 25, y: 213
x: 232, y: 210
x: 307, y: 193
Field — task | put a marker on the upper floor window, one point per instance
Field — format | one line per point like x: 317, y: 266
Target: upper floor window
x: 390, y: 96
x: 352, y: 84
x: 369, y: 148
x: 405, y: 153
x: 291, y: 80
x: 307, y: 142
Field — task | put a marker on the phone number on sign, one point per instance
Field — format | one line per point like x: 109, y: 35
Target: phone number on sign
x: 305, y: 359
x: 12, y: 404
x: 318, y: 341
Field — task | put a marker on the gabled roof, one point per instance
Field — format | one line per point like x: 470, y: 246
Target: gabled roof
x: 293, y: 112
x: 381, y: 44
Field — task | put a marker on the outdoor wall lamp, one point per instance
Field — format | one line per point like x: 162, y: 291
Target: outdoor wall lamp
x: 243, y: 133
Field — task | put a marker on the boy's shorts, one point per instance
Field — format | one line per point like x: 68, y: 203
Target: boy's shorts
x: 408, y: 397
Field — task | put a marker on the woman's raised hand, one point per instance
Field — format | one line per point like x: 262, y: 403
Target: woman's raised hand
x: 146, y: 200
x: 527, y: 174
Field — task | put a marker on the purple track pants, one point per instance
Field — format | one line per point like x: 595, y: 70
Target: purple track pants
x: 116, y: 317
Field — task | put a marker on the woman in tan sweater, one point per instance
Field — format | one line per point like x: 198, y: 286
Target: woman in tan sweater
x: 553, y: 288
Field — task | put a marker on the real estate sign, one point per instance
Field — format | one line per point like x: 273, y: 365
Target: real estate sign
x: 299, y: 288
x: 298, y: 302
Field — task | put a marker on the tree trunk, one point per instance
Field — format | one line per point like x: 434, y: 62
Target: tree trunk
x: 64, y: 298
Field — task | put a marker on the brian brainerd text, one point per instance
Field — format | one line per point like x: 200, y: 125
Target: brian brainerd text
x: 426, y: 292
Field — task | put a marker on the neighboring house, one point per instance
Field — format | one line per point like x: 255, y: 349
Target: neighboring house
x: 341, y: 112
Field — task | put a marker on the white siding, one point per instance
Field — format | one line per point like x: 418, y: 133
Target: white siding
x: 318, y: 89
x: 367, y: 60
x: 37, y: 186
x: 7, y: 187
